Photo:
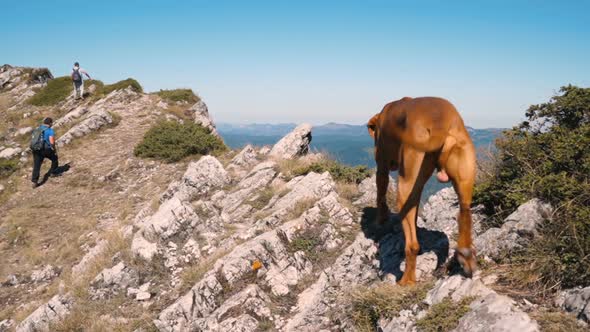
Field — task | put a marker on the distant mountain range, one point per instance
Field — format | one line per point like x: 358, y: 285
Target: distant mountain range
x: 349, y: 144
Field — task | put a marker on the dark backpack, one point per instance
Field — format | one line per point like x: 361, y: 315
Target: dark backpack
x: 37, y: 139
x: 76, y: 77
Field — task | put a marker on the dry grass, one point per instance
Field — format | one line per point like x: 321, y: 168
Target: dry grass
x: 300, y: 207
x: 384, y: 300
x: 264, y: 196
x: 193, y: 273
x: 444, y: 316
x: 558, y: 322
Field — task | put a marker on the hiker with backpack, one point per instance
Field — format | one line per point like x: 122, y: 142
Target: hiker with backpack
x: 78, y: 81
x: 43, y: 146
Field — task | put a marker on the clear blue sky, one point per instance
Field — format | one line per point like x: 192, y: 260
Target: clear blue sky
x: 315, y: 61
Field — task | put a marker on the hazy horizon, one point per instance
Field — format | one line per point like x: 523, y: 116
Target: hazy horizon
x: 315, y: 62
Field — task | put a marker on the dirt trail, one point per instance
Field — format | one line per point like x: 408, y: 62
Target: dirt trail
x: 106, y: 186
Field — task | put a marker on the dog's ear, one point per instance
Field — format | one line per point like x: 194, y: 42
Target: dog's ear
x: 372, y: 124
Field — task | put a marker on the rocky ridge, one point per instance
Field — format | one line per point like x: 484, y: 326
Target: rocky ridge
x: 234, y: 244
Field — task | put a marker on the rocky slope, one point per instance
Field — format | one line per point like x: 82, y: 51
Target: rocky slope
x: 227, y: 243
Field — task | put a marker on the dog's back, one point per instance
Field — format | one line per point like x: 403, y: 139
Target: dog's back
x: 423, y: 123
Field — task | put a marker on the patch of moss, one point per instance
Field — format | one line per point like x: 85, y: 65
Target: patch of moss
x: 444, y: 316
x: 172, y: 141
x: 55, y: 91
x: 179, y: 95
x: 7, y: 167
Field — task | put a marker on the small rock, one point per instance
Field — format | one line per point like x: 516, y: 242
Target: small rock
x: 142, y: 296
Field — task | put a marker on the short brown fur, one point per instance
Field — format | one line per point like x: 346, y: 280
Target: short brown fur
x: 415, y: 136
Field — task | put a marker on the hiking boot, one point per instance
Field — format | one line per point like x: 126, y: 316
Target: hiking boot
x: 35, y: 185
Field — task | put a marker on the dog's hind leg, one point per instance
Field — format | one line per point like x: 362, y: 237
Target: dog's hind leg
x: 461, y: 168
x: 415, y: 170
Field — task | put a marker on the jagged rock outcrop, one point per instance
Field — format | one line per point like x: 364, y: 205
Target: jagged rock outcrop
x: 57, y: 308
x: 516, y: 231
x: 441, y: 210
x: 294, y: 144
x: 576, y: 301
x: 201, y: 115
x: 175, y: 214
x: 113, y: 280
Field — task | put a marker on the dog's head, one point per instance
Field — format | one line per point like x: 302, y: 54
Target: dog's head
x: 373, y: 124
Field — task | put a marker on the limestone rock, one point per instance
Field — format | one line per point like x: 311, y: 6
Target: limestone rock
x: 246, y: 157
x: 57, y: 308
x: 368, y: 191
x: 456, y: 287
x: 312, y: 186
x: 87, y: 259
x: 23, y: 131
x: 201, y: 115
x: 294, y: 144
x: 517, y: 230
x: 142, y: 247
x: 93, y: 122
x: 10, y: 153
x: 495, y: 313
x: 120, y: 275
x: 46, y: 274
x: 200, y: 177
x: 6, y: 324
x: 441, y: 210
x: 576, y: 301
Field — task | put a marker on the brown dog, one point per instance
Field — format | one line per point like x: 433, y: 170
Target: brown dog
x: 415, y: 136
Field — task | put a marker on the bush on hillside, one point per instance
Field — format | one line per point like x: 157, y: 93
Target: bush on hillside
x: 55, y: 91
x: 171, y: 141
x: 179, y: 95
x: 338, y: 171
x: 7, y: 167
x: 135, y: 86
x: 548, y: 157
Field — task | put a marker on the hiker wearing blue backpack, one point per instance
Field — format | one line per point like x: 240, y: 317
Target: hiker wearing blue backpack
x: 43, y: 146
x: 78, y: 80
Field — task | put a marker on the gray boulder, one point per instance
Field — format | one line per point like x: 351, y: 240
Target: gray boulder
x: 57, y: 308
x: 495, y: 313
x: 294, y: 144
x: 201, y: 115
x: 576, y: 301
x: 517, y: 230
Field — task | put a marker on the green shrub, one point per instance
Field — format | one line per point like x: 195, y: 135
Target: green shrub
x: 444, y: 316
x: 177, y: 95
x: 55, y: 91
x: 338, y: 171
x: 122, y: 85
x: 171, y: 141
x: 548, y: 157
x: 7, y: 167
